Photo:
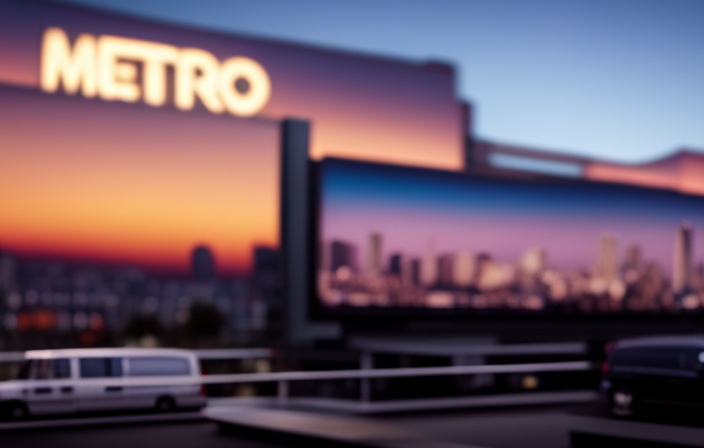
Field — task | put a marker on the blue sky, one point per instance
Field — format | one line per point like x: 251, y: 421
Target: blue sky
x: 620, y: 80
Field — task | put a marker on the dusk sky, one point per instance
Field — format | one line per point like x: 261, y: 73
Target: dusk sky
x: 503, y: 218
x: 86, y: 179
x: 614, y: 79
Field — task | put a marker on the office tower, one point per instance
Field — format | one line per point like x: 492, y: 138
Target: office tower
x: 495, y: 275
x: 374, y: 249
x: 202, y: 263
x: 651, y: 285
x: 484, y: 265
x: 7, y: 272
x: 429, y: 266
x: 407, y: 273
x: 266, y: 259
x: 634, y: 258
x: 445, y: 270
x: 682, y: 266
x: 267, y: 274
x: 533, y: 261
x: 415, y: 271
x: 606, y: 266
x: 464, y: 269
x: 530, y: 266
x: 342, y: 254
x: 396, y: 262
x: 696, y: 281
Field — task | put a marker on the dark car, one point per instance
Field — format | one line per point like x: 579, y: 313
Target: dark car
x: 654, y: 371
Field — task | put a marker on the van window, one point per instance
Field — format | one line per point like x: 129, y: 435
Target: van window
x: 158, y: 366
x: 62, y: 368
x: 656, y: 357
x: 45, y: 369
x: 100, y: 367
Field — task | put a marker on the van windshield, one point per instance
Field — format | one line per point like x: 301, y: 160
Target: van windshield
x: 100, y: 367
x: 24, y: 370
x: 668, y: 357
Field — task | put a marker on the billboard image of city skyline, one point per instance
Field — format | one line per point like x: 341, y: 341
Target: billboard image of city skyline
x: 392, y: 236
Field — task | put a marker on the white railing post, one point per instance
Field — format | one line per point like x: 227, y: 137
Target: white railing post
x: 282, y: 392
x: 365, y: 386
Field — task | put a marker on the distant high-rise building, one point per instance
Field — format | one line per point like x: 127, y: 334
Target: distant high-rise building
x: 484, y: 263
x: 531, y: 265
x: 533, y: 261
x: 606, y: 265
x: 494, y: 275
x: 267, y: 271
x: 652, y: 285
x: 464, y: 269
x: 634, y: 258
x: 7, y: 272
x: 697, y: 281
x: 682, y: 266
x: 456, y: 269
x: 265, y: 259
x: 374, y: 250
x: 396, y: 264
x: 342, y: 254
x: 429, y: 266
x: 202, y: 263
x: 414, y: 271
x: 446, y: 270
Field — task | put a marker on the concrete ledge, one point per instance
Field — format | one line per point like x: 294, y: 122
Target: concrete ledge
x: 322, y: 430
x: 601, y: 432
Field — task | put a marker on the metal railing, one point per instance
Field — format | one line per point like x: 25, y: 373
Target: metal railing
x: 11, y: 356
x: 283, y: 378
x: 209, y: 354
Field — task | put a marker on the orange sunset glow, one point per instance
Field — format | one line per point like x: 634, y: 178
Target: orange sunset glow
x: 132, y: 184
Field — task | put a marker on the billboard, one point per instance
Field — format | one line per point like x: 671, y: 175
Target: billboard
x: 141, y: 162
x: 397, y: 240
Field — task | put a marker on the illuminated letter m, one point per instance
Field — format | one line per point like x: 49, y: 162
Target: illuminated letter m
x: 75, y: 69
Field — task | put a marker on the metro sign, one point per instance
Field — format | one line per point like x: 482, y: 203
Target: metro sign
x: 108, y: 67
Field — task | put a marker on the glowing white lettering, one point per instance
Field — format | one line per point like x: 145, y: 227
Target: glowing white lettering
x: 196, y: 75
x: 255, y: 93
x: 59, y: 65
x: 110, y: 66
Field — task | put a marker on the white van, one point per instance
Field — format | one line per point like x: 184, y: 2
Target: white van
x: 88, y: 380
